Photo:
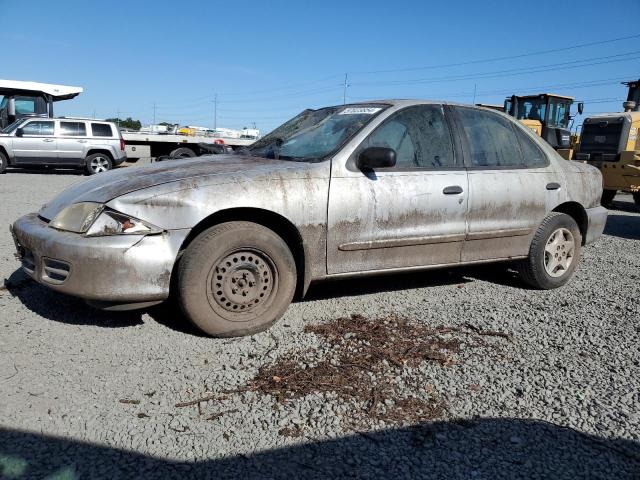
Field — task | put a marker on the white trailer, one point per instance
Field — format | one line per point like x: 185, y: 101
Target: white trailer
x: 149, y: 145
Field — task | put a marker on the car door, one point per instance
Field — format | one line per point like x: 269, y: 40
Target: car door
x: 72, y: 142
x: 35, y: 143
x: 409, y: 215
x: 512, y: 185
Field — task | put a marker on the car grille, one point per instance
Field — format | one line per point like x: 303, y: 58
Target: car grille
x: 601, y: 139
x: 54, y: 271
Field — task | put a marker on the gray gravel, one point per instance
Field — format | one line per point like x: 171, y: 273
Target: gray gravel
x: 561, y: 401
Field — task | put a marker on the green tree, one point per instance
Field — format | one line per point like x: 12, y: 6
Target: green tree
x: 128, y: 122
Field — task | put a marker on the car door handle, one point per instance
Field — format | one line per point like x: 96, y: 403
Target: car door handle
x: 82, y: 141
x: 553, y: 186
x: 452, y: 190
x: 48, y: 140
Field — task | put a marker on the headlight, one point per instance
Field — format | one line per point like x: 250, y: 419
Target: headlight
x: 94, y: 219
x: 77, y: 217
x: 111, y: 222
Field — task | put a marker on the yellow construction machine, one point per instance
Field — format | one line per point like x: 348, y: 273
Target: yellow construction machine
x: 548, y: 115
x: 610, y: 142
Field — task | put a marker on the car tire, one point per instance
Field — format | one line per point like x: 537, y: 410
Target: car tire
x: 554, y: 253
x: 4, y: 163
x: 636, y: 198
x: 98, y: 163
x: 607, y: 197
x: 182, y: 153
x: 236, y: 278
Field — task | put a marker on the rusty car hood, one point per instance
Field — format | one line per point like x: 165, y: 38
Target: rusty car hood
x: 104, y: 187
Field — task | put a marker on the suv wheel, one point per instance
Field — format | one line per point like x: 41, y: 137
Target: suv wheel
x: 554, y: 253
x: 3, y: 162
x: 98, y: 163
x: 236, y: 278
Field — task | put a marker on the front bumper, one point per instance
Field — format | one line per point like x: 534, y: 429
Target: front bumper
x: 596, y: 220
x: 115, y: 269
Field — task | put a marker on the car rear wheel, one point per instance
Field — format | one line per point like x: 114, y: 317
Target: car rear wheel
x: 3, y: 162
x: 636, y: 198
x: 607, y: 197
x: 236, y: 278
x: 554, y: 253
x: 98, y: 163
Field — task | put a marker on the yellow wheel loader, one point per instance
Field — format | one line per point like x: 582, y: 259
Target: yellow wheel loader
x: 610, y: 142
x: 549, y: 116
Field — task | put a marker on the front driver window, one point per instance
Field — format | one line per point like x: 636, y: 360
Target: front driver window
x: 38, y: 128
x: 419, y: 135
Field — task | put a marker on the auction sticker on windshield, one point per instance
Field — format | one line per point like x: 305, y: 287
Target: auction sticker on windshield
x: 360, y: 111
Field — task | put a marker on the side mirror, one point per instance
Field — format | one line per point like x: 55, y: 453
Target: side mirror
x: 19, y: 132
x: 376, y: 157
x: 580, y: 108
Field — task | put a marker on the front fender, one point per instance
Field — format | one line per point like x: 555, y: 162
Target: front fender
x: 300, y: 197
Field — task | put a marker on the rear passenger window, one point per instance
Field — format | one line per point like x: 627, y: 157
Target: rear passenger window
x: 532, y: 155
x: 73, y: 129
x: 101, y: 130
x: 491, y: 138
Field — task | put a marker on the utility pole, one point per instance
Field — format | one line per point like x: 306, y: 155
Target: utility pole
x: 118, y: 117
x: 475, y: 86
x: 344, y: 91
x: 215, y: 112
x: 154, y: 113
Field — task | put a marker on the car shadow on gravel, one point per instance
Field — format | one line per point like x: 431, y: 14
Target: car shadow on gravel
x: 63, y: 308
x: 623, y: 226
x: 484, y: 448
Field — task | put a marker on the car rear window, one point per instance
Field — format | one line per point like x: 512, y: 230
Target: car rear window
x: 73, y: 129
x: 101, y: 130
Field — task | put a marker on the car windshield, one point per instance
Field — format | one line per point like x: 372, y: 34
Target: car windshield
x: 12, y: 126
x: 315, y: 134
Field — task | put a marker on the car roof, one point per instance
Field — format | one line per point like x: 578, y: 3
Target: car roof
x: 81, y: 119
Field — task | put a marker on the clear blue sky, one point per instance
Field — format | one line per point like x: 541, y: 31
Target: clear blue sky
x: 269, y: 60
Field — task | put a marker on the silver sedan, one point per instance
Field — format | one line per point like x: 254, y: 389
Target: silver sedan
x: 348, y: 190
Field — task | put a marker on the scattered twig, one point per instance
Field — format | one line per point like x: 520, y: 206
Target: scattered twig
x: 219, y: 414
x: 197, y: 401
x: 489, y: 333
x: 128, y: 401
x: 11, y: 376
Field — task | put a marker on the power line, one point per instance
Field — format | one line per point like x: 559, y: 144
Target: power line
x: 512, y: 71
x: 497, y: 59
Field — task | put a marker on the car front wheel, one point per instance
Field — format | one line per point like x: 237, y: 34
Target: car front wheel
x: 554, y: 253
x: 236, y: 278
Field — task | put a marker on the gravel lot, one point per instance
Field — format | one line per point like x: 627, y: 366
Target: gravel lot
x: 534, y: 384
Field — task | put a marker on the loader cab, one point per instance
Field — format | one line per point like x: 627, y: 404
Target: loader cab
x: 19, y: 99
x: 15, y: 107
x: 546, y: 114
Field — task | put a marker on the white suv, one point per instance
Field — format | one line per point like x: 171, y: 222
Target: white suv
x: 93, y: 145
